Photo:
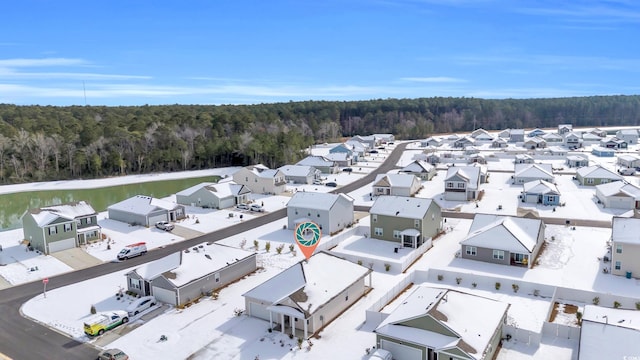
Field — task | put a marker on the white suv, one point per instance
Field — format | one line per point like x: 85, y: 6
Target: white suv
x: 164, y: 225
x: 256, y: 208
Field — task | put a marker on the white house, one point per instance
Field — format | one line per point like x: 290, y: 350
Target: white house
x: 625, y: 247
x: 618, y: 195
x: 530, y: 172
x: 332, y: 212
x: 300, y: 174
x: 261, y: 180
x: 396, y: 184
x: 321, y: 163
x: 608, y: 333
x: 628, y: 135
x: 214, y: 195
x: 421, y: 169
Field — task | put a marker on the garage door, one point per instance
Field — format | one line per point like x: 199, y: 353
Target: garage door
x: 259, y: 311
x: 154, y: 219
x: 401, y: 352
x: 164, y: 295
x: 455, y: 196
x: 62, y: 245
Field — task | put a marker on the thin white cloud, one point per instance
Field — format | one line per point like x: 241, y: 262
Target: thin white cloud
x: 434, y: 79
x: 558, y: 61
x: 7, y: 73
x: 18, y: 63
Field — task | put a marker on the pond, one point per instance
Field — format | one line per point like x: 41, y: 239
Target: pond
x: 14, y: 205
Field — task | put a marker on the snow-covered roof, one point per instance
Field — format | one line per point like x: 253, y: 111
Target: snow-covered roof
x: 609, y: 333
x: 70, y: 211
x: 591, y: 136
x: 576, y: 158
x: 499, y: 232
x: 204, y: 259
x: 155, y: 268
x: 617, y: 187
x: 401, y: 206
x: 536, y: 140
x: 456, y: 311
x: 315, y: 161
x: 472, y: 173
x: 516, y: 132
x: 322, y: 277
x: 191, y: 190
x: 601, y: 149
x: 141, y: 204
x: 297, y: 170
x: 631, y: 132
x: 221, y: 190
x: 551, y: 136
x: 540, y: 187
x: 316, y: 200
x: 598, y: 172
x: 339, y: 156
x: 625, y: 230
x: 533, y: 171
x: 418, y: 166
x: 395, y: 180
x: 628, y: 157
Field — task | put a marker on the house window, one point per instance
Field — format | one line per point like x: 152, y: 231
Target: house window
x: 460, y: 185
x: 374, y: 217
x: 551, y: 199
x: 449, y: 185
x: 498, y: 254
x: 471, y: 250
x: 88, y: 220
x: 416, y: 223
x: 217, y: 277
x: 53, y: 230
x: 618, y: 265
x: 590, y: 181
x: 377, y: 231
x: 619, y: 249
x: 396, y: 234
x: 67, y: 227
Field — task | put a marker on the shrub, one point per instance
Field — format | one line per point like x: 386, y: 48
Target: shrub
x: 279, y: 248
x: 498, y: 285
x: 579, y: 317
x: 595, y: 300
x: 440, y: 277
x: 616, y: 304
x: 515, y: 287
x: 267, y: 246
x: 387, y: 267
x: 359, y: 262
x: 256, y: 244
x: 638, y: 305
x: 474, y: 284
x: 292, y: 248
x: 300, y: 343
x: 458, y: 280
x: 93, y: 309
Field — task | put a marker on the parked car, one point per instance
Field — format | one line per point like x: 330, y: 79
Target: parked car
x: 99, y: 323
x: 317, y: 182
x: 331, y: 184
x: 381, y: 354
x: 132, y: 250
x: 112, y: 354
x: 373, y: 151
x: 164, y: 225
x: 627, y: 171
x: 256, y: 208
x: 242, y: 207
x: 347, y: 169
x: 140, y: 305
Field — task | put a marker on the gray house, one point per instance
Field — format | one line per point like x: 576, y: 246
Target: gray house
x: 630, y: 161
x: 185, y: 276
x: 332, y: 212
x: 300, y: 174
x: 625, y: 247
x: 516, y: 135
x: 306, y: 297
x: 321, y: 163
x: 503, y: 240
x: 525, y: 173
x: 575, y: 161
x: 434, y: 323
x: 145, y: 211
x: 596, y: 175
x: 421, y: 169
x: 628, y: 135
x: 261, y: 180
x: 214, y: 195
x: 618, y: 195
x: 404, y: 220
x: 396, y: 184
x: 60, y: 227
x: 462, y: 183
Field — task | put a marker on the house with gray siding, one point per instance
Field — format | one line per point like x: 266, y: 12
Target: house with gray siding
x: 185, y: 276
x: 300, y: 174
x: 516, y: 135
x: 540, y: 192
x: 630, y: 136
x: 60, y: 227
x: 565, y: 128
x: 408, y: 221
x: 396, y: 184
x: 625, y: 247
x: 332, y: 212
x: 214, y: 195
x: 433, y: 323
x: 145, y: 210
x: 618, y: 195
x: 304, y: 298
x: 612, y: 142
x: 575, y: 161
x: 596, y: 175
x: 535, y: 143
x: 525, y: 173
x: 321, y: 163
x: 430, y: 141
x: 420, y: 168
x: 629, y: 161
x: 503, y: 240
x: 462, y: 183
x: 261, y: 180
x: 553, y: 138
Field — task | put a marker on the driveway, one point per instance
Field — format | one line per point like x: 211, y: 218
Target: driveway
x: 77, y: 258
x: 185, y: 232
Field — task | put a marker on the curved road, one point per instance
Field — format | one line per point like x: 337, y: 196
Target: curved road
x: 21, y: 338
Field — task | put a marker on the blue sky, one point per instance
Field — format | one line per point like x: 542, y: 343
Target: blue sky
x: 245, y: 52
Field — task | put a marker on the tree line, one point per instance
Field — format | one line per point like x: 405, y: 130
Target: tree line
x: 50, y: 143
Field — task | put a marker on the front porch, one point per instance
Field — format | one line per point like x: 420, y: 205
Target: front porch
x: 284, y: 319
x: 521, y: 260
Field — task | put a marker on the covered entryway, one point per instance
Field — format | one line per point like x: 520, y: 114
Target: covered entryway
x: 60, y: 245
x: 411, y: 238
x: 287, y: 317
x: 401, y: 352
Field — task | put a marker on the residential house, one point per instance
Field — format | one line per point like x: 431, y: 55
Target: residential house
x: 358, y: 148
x: 300, y: 174
x: 499, y: 143
x: 602, y: 151
x: 182, y: 277
x: 625, y: 247
x: 145, y: 211
x: 590, y: 139
x: 340, y: 159
x: 596, y: 175
x: 535, y: 143
x: 462, y: 183
x: 523, y: 159
x: 434, y: 323
x: 304, y: 298
x: 608, y: 333
x: 572, y: 140
x: 216, y: 196
x: 430, y: 141
x: 261, y: 180
x: 630, y: 136
x: 505, y: 134
x: 629, y: 161
x: 481, y: 135
x: 476, y: 158
x: 385, y: 138
x: 432, y: 158
x: 525, y: 173
x: 371, y: 141
x: 557, y: 151
x: 540, y: 192
x: 410, y: 222
x: 612, y: 142
x: 55, y: 228
x: 332, y: 212
x: 420, y: 168
x: 469, y: 150
x: 599, y: 132
x: 503, y: 240
x: 321, y: 163
x: 553, y: 138
x: 349, y: 149
x: 536, y: 132
x: 463, y: 142
x: 565, y: 128
x: 396, y: 184
x: 618, y: 195
x: 575, y: 161
x: 516, y: 135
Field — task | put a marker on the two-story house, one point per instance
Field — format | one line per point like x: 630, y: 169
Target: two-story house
x: 332, y: 212
x: 321, y: 163
x: 462, y: 183
x: 261, y: 180
x: 625, y: 247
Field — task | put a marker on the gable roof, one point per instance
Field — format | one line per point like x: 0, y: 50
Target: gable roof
x: 142, y: 204
x: 401, y: 206
x: 155, y: 268
x: 597, y: 172
x: 69, y: 211
x: 338, y: 156
x: 220, y: 190
x: 191, y: 190
x: 534, y: 170
x: 619, y: 188
x: 470, y: 173
x: 540, y: 187
x: 625, y: 230
x: 316, y: 161
x: 418, y: 166
x: 298, y: 170
x: 499, y: 232
x: 395, y: 180
x: 316, y: 200
x: 609, y: 333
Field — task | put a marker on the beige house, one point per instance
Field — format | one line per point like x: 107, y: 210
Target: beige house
x: 625, y: 247
x: 261, y: 180
x: 396, y: 184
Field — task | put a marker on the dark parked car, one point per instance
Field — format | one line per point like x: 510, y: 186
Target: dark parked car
x: 373, y: 151
x: 331, y: 184
x: 347, y: 169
